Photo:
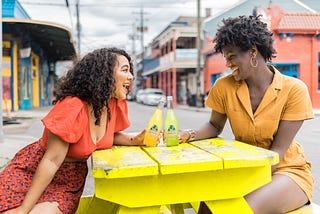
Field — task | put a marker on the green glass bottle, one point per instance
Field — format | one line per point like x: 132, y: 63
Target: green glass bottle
x: 171, y: 125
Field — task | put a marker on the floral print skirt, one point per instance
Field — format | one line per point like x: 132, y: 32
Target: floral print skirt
x: 65, y: 188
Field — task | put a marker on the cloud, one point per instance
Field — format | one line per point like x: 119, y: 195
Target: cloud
x: 110, y: 22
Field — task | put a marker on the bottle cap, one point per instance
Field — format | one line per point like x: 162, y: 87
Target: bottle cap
x: 162, y: 100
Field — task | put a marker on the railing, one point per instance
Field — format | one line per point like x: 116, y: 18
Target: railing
x: 186, y: 54
x: 152, y: 64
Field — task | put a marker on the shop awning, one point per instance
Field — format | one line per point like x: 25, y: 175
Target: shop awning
x: 56, y: 40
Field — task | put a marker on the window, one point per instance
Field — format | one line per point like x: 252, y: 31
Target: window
x: 289, y: 69
x: 214, y: 78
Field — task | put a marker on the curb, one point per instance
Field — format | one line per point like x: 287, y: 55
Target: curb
x: 192, y: 108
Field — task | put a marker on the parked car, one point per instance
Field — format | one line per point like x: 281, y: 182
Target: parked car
x: 139, y: 95
x: 152, y: 96
x: 130, y: 97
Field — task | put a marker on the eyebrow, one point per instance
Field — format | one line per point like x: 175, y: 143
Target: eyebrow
x: 228, y: 54
x: 125, y: 66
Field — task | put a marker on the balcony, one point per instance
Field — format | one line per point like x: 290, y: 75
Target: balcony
x: 182, y: 58
x: 182, y: 54
x: 151, y: 64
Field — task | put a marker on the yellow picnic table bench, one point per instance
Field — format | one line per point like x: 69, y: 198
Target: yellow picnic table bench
x: 131, y: 179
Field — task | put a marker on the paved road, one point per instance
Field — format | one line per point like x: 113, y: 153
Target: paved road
x: 17, y: 136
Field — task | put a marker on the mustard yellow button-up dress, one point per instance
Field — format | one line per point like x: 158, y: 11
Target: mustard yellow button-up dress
x: 286, y: 98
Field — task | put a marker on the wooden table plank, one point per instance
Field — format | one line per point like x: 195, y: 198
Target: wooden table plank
x: 122, y: 162
x: 183, y: 158
x: 236, y: 154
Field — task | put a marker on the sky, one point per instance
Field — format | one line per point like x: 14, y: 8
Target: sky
x: 112, y: 22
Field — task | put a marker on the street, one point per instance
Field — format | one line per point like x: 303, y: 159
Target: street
x: 139, y: 116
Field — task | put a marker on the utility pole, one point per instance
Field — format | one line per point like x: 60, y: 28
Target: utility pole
x: 133, y: 37
x: 141, y: 29
x: 1, y: 89
x: 78, y: 27
x: 142, y: 38
x: 198, y: 93
x: 70, y: 16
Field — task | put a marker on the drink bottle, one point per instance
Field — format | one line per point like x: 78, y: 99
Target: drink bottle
x: 154, y: 126
x: 171, y: 125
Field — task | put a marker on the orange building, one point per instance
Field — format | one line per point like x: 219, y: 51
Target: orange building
x: 297, y: 41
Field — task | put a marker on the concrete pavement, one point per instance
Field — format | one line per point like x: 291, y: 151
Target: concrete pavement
x: 13, y: 138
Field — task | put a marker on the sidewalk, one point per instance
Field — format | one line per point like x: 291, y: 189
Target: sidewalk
x: 21, y: 121
x: 316, y: 112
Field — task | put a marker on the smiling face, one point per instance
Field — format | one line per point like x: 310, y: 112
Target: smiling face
x: 238, y: 61
x: 123, y: 77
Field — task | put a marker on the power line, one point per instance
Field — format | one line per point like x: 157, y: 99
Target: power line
x: 112, y: 4
x: 43, y: 4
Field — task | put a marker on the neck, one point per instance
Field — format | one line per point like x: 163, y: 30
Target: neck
x: 261, y: 79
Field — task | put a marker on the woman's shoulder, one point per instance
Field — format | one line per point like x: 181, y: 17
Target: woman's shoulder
x: 67, y: 119
x: 68, y: 107
x: 293, y: 82
x: 287, y: 81
x: 70, y: 100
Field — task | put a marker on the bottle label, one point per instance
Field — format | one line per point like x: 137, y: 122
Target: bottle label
x: 171, y: 130
x: 153, y: 129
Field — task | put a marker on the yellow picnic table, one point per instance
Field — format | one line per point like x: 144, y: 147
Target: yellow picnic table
x: 219, y: 172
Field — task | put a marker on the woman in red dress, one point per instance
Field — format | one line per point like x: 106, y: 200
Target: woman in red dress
x: 89, y: 113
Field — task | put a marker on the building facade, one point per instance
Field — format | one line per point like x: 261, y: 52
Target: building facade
x: 172, y: 62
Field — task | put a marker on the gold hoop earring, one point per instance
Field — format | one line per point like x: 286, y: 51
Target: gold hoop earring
x: 253, y: 64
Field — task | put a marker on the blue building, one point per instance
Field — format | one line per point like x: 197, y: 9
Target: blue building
x: 31, y: 50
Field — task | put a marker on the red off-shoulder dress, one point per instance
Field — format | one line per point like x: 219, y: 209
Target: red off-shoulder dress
x: 68, y: 119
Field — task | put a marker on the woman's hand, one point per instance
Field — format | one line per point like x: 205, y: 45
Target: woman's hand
x: 138, y: 139
x: 184, y: 136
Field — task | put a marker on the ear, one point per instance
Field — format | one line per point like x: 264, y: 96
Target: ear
x: 253, y: 51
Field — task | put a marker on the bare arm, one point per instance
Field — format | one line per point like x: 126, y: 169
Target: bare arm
x: 210, y: 129
x: 286, y: 132
x: 54, y: 156
x: 129, y: 140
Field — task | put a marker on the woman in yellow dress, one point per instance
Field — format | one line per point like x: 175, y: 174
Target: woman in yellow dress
x: 264, y: 108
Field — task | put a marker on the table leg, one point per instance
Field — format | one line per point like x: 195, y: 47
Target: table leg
x: 233, y: 205
x: 144, y: 210
x: 94, y: 205
x: 177, y: 208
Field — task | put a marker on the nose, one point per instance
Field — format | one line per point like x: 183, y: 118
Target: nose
x: 130, y: 76
x: 228, y: 63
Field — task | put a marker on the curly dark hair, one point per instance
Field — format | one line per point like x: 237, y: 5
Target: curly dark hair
x: 245, y: 32
x: 92, y: 79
